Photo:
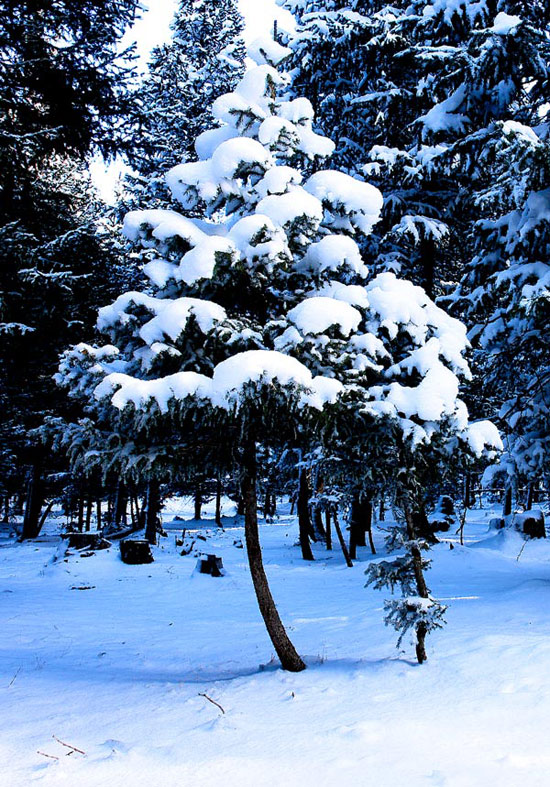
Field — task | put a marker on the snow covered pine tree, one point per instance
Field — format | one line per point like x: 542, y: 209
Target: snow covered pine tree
x: 262, y: 324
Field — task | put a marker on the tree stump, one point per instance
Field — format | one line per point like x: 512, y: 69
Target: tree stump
x: 210, y: 564
x: 135, y: 552
x: 532, y: 523
x: 87, y: 540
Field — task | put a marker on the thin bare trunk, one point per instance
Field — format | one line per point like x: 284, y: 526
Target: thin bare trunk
x: 152, y: 510
x: 218, y: 516
x: 89, y: 514
x: 304, y: 521
x: 328, y: 530
x: 35, y: 500
x: 341, y: 539
x: 290, y: 660
x: 421, y: 587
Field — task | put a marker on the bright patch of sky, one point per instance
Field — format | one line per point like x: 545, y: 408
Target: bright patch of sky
x: 153, y: 29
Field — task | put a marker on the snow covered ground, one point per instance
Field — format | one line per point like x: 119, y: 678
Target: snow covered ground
x: 115, y: 660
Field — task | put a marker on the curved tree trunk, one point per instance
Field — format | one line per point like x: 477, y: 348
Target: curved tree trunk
x: 290, y: 660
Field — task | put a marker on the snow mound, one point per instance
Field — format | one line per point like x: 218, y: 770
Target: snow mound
x: 361, y: 201
x: 505, y: 24
x: 317, y: 314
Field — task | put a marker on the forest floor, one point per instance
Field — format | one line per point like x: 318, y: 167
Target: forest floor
x: 120, y: 662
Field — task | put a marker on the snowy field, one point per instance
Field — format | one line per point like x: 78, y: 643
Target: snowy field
x: 115, y: 660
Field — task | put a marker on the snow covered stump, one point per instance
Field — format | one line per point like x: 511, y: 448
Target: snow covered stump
x: 212, y: 565
x: 135, y: 552
x: 531, y: 523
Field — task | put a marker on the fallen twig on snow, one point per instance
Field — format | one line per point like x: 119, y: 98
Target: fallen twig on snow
x: 50, y: 756
x: 206, y: 697
x: 521, y: 550
x: 12, y: 681
x: 68, y: 745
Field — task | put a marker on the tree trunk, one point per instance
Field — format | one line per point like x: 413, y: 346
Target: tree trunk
x: 34, y: 503
x: 80, y: 525
x: 341, y: 539
x: 89, y: 515
x: 98, y: 515
x: 318, y: 526
x: 368, y: 524
x: 421, y: 586
x: 198, y: 501
x: 218, y: 516
x: 290, y: 660
x: 356, y: 527
x: 468, y: 503
x: 304, y: 521
x: 152, y: 510
x: 121, y: 503
x: 382, y: 511
x: 45, y: 516
x: 507, y: 509
x: 328, y: 530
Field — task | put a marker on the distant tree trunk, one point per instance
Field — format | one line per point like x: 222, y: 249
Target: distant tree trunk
x: 293, y: 499
x: 468, y: 503
x: 507, y: 509
x: 382, y: 510
x: 80, y: 524
x: 420, y: 581
x: 328, y: 530
x: 34, y: 503
x: 360, y: 524
x: 422, y: 525
x: 530, y: 497
x: 152, y: 509
x: 133, y: 516
x: 45, y: 516
x: 356, y: 526
x: 118, y: 508
x: 290, y: 660
x: 304, y: 521
x: 6, y: 517
x: 218, y: 516
x: 198, y: 500
x: 98, y: 515
x: 341, y: 539
x: 368, y: 524
x: 89, y: 514
x: 20, y: 502
x: 318, y: 526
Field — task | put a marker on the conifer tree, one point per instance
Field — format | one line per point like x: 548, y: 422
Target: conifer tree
x: 62, y: 93
x: 262, y: 327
